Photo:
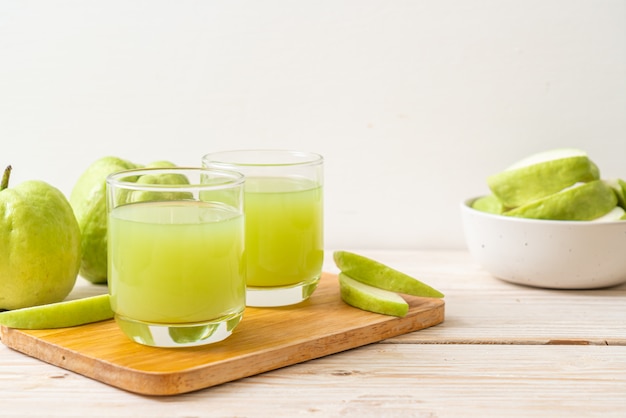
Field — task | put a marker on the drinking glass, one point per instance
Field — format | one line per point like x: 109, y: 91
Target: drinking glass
x: 176, y: 268
x: 284, y: 222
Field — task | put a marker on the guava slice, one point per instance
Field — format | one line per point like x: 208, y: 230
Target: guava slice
x: 372, y: 299
x: 541, y: 175
x: 582, y: 202
x: 373, y: 273
x: 616, y: 214
x: 489, y: 204
x: 59, y: 315
x: 619, y: 186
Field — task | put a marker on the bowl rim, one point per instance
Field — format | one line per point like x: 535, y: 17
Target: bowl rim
x: 465, y: 206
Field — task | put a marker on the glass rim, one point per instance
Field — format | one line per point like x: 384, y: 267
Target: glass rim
x: 233, y: 178
x: 247, y: 158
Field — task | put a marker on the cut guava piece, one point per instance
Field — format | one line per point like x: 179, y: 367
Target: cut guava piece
x: 489, y: 204
x: 616, y: 214
x: 619, y: 186
x: 376, y: 274
x: 59, y: 315
x: 581, y: 202
x: 541, y: 175
x: 370, y: 298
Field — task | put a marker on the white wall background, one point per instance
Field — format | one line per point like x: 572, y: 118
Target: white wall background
x: 412, y: 103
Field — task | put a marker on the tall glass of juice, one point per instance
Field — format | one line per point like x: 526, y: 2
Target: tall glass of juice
x: 284, y: 222
x: 176, y: 267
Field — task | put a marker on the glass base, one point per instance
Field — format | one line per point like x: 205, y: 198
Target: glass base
x: 264, y: 297
x: 178, y: 335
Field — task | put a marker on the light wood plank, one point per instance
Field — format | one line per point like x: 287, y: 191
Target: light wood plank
x: 399, y: 380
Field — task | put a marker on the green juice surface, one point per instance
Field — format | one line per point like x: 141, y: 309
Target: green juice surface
x: 284, y: 230
x: 176, y: 262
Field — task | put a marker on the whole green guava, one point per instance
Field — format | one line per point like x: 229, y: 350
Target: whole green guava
x: 88, y: 198
x: 40, y: 244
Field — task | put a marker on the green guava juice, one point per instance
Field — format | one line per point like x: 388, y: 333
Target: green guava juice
x: 176, y: 262
x: 284, y: 230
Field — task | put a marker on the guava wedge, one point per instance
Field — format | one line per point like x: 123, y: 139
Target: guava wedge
x: 59, y: 315
x: 619, y: 186
x: 489, y: 204
x: 542, y: 174
x: 582, y: 202
x: 616, y: 214
x: 369, y: 298
x: 373, y: 273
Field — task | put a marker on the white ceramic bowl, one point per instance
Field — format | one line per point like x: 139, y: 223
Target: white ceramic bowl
x: 549, y: 254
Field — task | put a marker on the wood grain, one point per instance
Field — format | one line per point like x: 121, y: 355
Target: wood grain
x: 481, y: 309
x: 267, y: 339
x: 378, y: 380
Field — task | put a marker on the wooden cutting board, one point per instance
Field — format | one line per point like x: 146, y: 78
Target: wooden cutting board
x: 266, y: 339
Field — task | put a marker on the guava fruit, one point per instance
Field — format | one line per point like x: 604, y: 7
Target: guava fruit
x: 88, y: 198
x: 619, y: 186
x: 370, y: 298
x: 165, y: 179
x: 40, y: 244
x: 489, y: 203
x: 581, y: 202
x: 616, y: 214
x: 59, y: 315
x: 540, y: 175
x: 373, y: 273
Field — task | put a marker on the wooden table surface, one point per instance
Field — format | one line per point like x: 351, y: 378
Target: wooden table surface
x: 504, y: 350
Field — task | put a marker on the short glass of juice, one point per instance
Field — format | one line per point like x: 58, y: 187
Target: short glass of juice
x: 284, y: 222
x: 176, y: 267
